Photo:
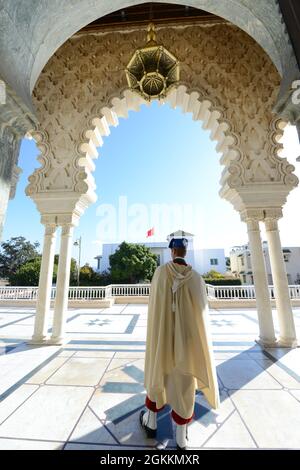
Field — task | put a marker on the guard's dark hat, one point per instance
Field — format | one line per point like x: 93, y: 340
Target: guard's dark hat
x: 178, y: 243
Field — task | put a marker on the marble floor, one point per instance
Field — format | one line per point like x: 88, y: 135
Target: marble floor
x: 88, y: 394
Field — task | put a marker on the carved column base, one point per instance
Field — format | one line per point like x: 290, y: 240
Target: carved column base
x: 265, y: 343
x: 287, y: 343
x: 57, y: 340
x: 38, y: 340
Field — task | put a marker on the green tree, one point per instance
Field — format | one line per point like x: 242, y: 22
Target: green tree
x: 90, y: 277
x: 212, y: 274
x: 27, y: 274
x: 73, y: 270
x: 132, y: 263
x: 14, y: 253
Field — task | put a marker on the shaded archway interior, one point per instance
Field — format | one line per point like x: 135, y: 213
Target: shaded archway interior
x: 159, y: 13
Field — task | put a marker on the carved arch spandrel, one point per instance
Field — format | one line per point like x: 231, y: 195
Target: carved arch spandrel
x: 190, y: 101
x: 226, y: 78
x: 219, y: 59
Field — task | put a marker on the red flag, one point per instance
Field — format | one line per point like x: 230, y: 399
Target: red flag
x: 150, y: 232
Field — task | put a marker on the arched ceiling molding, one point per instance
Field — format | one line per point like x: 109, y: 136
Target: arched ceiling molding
x: 32, y: 35
x: 261, y: 20
x: 201, y: 107
x: 257, y: 177
x: 237, y: 175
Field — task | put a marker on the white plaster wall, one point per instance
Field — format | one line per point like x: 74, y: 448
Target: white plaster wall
x: 199, y: 259
x: 292, y: 266
x: 203, y: 257
x: 107, y: 250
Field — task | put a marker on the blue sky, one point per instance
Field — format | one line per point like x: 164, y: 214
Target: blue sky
x: 156, y: 158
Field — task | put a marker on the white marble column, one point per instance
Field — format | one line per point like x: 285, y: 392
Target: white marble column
x: 62, y: 284
x: 264, y: 310
x: 45, y: 285
x: 283, y: 303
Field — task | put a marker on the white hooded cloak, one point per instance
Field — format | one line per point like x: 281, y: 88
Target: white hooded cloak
x: 179, y: 355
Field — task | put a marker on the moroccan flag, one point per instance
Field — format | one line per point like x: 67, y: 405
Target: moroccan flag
x: 150, y: 232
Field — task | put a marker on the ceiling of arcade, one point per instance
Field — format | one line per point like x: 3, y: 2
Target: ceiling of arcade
x: 221, y: 60
x: 32, y: 31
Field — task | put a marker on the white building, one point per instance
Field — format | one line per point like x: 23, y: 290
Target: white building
x: 241, y: 266
x: 203, y: 260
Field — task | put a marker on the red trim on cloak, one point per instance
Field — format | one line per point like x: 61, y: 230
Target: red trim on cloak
x: 151, y: 405
x: 179, y: 420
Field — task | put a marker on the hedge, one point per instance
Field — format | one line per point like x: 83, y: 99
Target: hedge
x: 223, y: 282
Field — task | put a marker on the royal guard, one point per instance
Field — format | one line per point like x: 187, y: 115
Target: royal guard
x: 179, y: 355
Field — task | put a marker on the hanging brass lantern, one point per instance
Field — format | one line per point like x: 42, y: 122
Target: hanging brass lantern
x: 152, y: 70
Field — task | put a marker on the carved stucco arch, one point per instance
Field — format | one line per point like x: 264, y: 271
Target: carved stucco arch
x: 203, y: 109
x: 78, y: 97
x: 37, y: 33
x: 194, y: 101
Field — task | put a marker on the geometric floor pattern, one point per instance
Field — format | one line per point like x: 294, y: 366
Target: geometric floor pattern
x: 88, y: 393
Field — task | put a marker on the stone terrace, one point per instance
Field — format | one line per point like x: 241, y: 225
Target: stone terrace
x: 88, y: 393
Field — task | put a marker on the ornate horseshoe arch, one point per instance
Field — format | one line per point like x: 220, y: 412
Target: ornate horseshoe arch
x: 201, y: 107
x: 82, y: 92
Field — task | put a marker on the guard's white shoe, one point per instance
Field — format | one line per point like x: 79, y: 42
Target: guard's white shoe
x: 148, y: 422
x: 149, y: 419
x: 181, y: 436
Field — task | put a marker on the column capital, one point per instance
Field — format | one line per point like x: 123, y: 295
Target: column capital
x: 271, y: 225
x: 271, y: 219
x: 66, y: 230
x: 255, y: 215
x: 252, y: 225
x: 50, y: 224
x: 50, y: 229
x: 71, y: 219
x: 48, y: 219
x: 274, y: 213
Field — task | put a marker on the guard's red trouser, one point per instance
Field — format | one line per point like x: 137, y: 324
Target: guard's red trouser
x: 151, y: 405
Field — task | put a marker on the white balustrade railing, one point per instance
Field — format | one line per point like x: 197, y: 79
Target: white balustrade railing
x: 130, y: 290
x: 233, y: 292
x: 18, y: 293
x: 137, y: 290
x: 87, y: 293
x: 77, y: 293
x: 245, y: 292
x: 210, y: 290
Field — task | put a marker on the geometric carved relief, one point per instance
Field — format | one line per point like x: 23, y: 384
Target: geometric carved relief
x: 201, y: 108
x: 261, y: 162
x: 58, y: 172
x: 227, y: 82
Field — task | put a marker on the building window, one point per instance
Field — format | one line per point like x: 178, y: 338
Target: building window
x: 244, y: 278
x: 242, y: 261
x: 286, y: 258
x: 214, y: 261
x: 158, y: 260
